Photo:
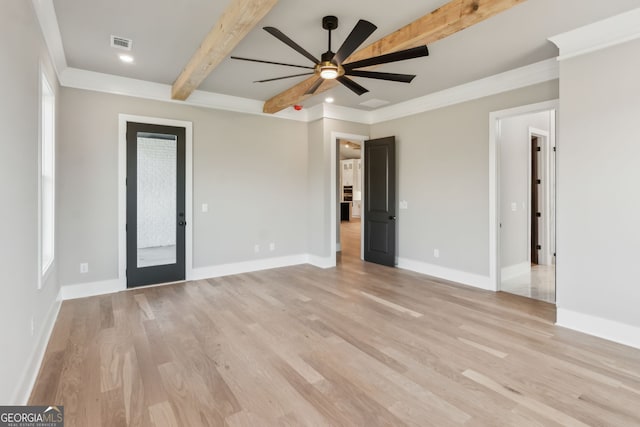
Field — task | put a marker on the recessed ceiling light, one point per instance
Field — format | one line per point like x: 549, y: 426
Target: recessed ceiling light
x: 128, y: 59
x: 329, y: 100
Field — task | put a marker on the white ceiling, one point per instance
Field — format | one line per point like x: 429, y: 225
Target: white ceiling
x: 166, y: 33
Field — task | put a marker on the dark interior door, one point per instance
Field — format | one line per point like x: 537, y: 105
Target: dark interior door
x: 535, y: 214
x: 155, y: 204
x: 380, y: 201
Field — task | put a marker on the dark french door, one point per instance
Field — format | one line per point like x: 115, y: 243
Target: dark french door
x: 156, y: 219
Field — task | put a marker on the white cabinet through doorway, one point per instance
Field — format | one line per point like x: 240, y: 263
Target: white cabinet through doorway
x: 351, y: 176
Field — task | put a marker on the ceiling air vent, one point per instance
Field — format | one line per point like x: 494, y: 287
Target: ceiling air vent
x: 121, y: 42
x: 374, y: 103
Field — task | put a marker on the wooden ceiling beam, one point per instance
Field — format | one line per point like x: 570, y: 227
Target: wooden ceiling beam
x: 449, y: 19
x: 235, y: 23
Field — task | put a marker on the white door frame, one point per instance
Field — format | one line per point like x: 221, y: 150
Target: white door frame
x: 494, y: 178
x: 335, y: 137
x: 122, y: 190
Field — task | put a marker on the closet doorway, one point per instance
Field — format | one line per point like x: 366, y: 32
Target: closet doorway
x: 526, y: 148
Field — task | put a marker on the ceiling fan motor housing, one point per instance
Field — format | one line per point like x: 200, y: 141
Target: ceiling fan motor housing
x: 330, y: 22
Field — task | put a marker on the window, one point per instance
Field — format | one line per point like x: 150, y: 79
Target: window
x: 47, y: 177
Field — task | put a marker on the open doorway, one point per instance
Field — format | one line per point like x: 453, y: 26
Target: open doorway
x: 349, y: 198
x: 526, y: 192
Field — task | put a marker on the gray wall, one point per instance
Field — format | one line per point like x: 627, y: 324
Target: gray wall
x: 598, y: 179
x: 443, y: 174
x: 22, y: 51
x: 515, y: 149
x: 250, y: 170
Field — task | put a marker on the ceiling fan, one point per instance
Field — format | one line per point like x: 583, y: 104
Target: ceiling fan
x: 331, y: 66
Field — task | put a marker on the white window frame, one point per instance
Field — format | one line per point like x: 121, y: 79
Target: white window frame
x: 46, y: 180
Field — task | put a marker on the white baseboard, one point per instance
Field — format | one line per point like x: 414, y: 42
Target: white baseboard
x: 470, y: 279
x: 23, y: 391
x: 599, y: 327
x: 515, y: 270
x: 82, y: 290
x: 246, y: 266
x: 321, y: 262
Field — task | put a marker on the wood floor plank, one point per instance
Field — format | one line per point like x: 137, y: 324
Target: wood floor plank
x: 161, y: 415
x: 356, y: 345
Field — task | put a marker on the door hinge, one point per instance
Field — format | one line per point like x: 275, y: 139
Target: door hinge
x: 538, y: 247
x: 554, y: 149
x: 538, y: 149
x: 539, y: 181
x: 538, y: 214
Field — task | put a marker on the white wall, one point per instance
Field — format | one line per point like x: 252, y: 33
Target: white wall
x: 598, y: 239
x: 515, y: 148
x: 443, y: 174
x: 22, y: 52
x: 250, y: 170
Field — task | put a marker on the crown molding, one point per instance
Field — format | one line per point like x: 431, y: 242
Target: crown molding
x: 338, y: 112
x: 118, y: 85
x: 599, y: 35
x: 48, y: 20
x: 514, y: 79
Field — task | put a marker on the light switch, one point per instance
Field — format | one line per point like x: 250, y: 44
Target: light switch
x: 205, y: 207
x: 514, y: 206
x: 404, y: 204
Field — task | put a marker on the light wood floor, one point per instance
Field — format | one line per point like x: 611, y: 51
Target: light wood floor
x: 357, y: 345
x: 539, y: 283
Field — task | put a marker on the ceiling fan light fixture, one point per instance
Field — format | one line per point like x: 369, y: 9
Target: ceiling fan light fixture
x: 329, y: 70
x: 329, y: 73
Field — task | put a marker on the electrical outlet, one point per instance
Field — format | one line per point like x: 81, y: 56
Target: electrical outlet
x: 205, y: 207
x: 84, y: 267
x: 272, y: 246
x: 436, y: 253
x: 256, y: 248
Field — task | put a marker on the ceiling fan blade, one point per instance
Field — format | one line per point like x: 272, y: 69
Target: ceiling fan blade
x: 286, y: 40
x: 403, y: 78
x: 414, y: 52
x: 359, y: 34
x: 281, y: 78
x: 271, y: 62
x: 314, y: 87
x: 355, y: 87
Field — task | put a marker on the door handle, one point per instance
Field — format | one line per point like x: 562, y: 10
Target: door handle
x: 392, y: 217
x: 182, y: 223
